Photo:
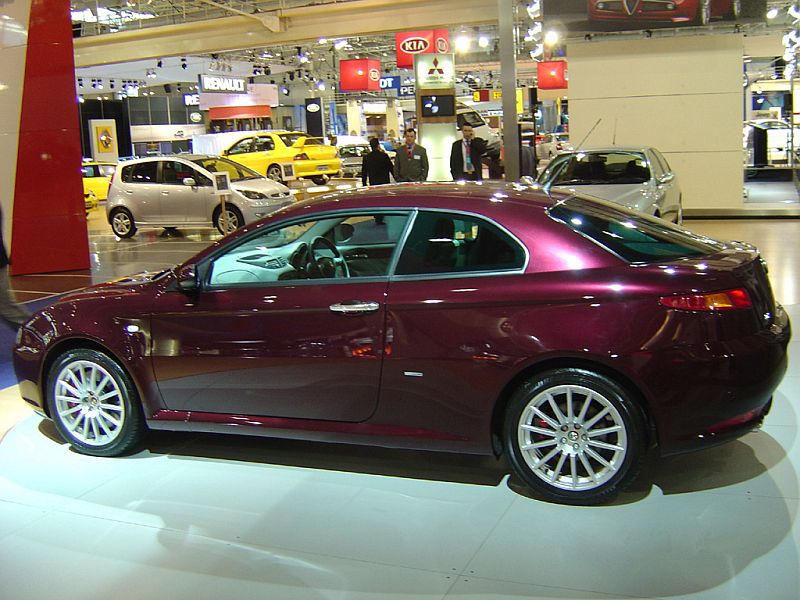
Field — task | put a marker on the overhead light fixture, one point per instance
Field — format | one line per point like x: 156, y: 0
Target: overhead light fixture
x: 772, y: 13
x: 483, y: 41
x: 284, y: 90
x: 323, y: 40
x: 794, y: 12
x: 340, y: 44
x: 321, y: 85
x: 462, y: 43
x: 551, y: 38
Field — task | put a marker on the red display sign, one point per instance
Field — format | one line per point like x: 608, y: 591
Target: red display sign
x: 552, y: 75
x: 362, y: 75
x: 410, y: 43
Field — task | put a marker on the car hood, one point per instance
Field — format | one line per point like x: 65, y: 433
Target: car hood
x: 268, y: 187
x: 631, y: 195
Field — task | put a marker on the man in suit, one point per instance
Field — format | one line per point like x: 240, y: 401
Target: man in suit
x: 411, y: 160
x: 465, y: 156
x: 376, y: 166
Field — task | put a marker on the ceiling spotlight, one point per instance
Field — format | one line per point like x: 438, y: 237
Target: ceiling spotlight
x: 483, y: 41
x: 284, y: 90
x: 551, y: 38
x: 339, y: 44
x: 772, y: 13
x: 303, y: 58
x: 462, y: 43
x: 321, y: 85
x: 323, y: 40
x: 794, y: 12
x: 535, y: 10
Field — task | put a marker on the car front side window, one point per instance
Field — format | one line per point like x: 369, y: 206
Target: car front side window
x: 331, y: 248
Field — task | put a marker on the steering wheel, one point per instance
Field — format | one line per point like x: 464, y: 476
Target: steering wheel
x: 299, y: 258
x: 322, y: 266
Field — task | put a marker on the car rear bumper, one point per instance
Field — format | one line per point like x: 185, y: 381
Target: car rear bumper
x: 311, y: 168
x: 737, y: 382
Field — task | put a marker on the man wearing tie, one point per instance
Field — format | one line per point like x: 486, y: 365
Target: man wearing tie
x: 465, y: 157
x: 411, y: 160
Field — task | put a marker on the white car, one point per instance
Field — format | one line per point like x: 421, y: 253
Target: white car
x: 639, y: 178
x: 177, y: 191
x: 553, y: 144
x: 779, y: 141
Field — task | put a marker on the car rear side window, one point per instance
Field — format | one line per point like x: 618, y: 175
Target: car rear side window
x: 634, y: 237
x: 145, y: 172
x: 455, y: 243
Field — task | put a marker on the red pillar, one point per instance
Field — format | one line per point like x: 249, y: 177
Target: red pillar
x: 49, y: 222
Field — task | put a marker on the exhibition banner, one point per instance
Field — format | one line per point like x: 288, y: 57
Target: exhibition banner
x: 360, y: 75
x: 408, y: 44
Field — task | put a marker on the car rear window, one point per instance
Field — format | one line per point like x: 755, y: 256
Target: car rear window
x: 634, y: 237
x: 290, y: 138
x: 590, y: 168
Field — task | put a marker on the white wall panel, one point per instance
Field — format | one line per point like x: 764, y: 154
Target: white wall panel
x: 681, y: 95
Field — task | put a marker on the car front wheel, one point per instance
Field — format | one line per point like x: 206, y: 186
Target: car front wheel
x: 122, y: 223
x: 235, y: 219
x: 94, y: 404
x: 574, y: 436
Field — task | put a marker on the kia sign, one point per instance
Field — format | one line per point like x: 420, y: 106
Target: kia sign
x: 228, y: 85
x: 409, y: 44
x: 363, y: 75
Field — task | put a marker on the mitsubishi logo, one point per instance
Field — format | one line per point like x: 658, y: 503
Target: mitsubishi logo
x: 630, y: 6
x: 436, y: 69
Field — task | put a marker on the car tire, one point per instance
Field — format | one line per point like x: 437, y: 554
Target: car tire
x: 94, y: 404
x: 320, y: 179
x: 235, y: 219
x: 275, y: 173
x: 574, y: 436
x: 703, y: 12
x: 122, y: 223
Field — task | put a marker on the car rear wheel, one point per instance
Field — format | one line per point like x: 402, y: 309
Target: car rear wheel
x: 574, y: 436
x: 235, y: 219
x: 122, y: 223
x: 94, y: 404
x: 320, y: 179
x: 275, y: 173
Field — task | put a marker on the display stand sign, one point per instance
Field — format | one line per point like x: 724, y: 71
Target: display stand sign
x: 222, y: 188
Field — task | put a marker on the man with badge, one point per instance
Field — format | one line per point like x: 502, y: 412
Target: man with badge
x: 411, y: 160
x: 465, y: 157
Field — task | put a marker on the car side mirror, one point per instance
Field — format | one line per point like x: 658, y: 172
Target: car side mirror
x: 666, y: 178
x: 187, y: 278
x: 527, y: 180
x: 189, y: 181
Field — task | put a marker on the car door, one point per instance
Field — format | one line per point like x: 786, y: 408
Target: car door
x: 450, y: 308
x: 667, y: 185
x: 271, y: 334
x: 181, y: 203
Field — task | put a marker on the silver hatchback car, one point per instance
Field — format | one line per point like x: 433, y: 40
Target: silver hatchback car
x: 636, y: 177
x: 177, y: 191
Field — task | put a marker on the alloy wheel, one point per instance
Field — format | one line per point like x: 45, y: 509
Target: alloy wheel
x: 572, y: 438
x: 89, y: 403
x: 121, y: 223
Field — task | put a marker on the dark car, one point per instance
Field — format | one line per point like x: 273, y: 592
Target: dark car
x: 566, y: 331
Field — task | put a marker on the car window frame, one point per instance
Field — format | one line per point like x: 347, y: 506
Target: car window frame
x: 203, y: 268
x: 136, y: 165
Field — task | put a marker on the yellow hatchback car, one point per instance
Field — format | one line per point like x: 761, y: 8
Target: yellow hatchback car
x: 264, y: 152
x: 97, y: 178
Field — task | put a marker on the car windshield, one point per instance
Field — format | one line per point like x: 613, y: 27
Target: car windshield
x: 236, y: 171
x: 634, y: 237
x: 291, y: 138
x: 588, y: 168
x: 353, y: 151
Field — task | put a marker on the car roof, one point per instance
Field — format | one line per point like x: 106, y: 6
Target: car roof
x: 189, y: 157
x: 638, y: 149
x: 482, y: 197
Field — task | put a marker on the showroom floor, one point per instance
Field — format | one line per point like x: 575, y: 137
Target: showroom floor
x: 202, y: 516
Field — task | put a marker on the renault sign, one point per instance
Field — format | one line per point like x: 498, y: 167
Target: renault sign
x: 228, y: 85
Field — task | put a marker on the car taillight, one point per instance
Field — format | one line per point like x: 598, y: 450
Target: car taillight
x: 301, y: 156
x: 725, y: 300
x: 111, y: 180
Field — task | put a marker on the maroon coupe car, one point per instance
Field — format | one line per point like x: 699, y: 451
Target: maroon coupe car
x: 699, y: 12
x: 569, y: 332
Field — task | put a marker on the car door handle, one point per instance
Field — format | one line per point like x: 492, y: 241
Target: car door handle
x: 352, y: 307
x: 165, y: 193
